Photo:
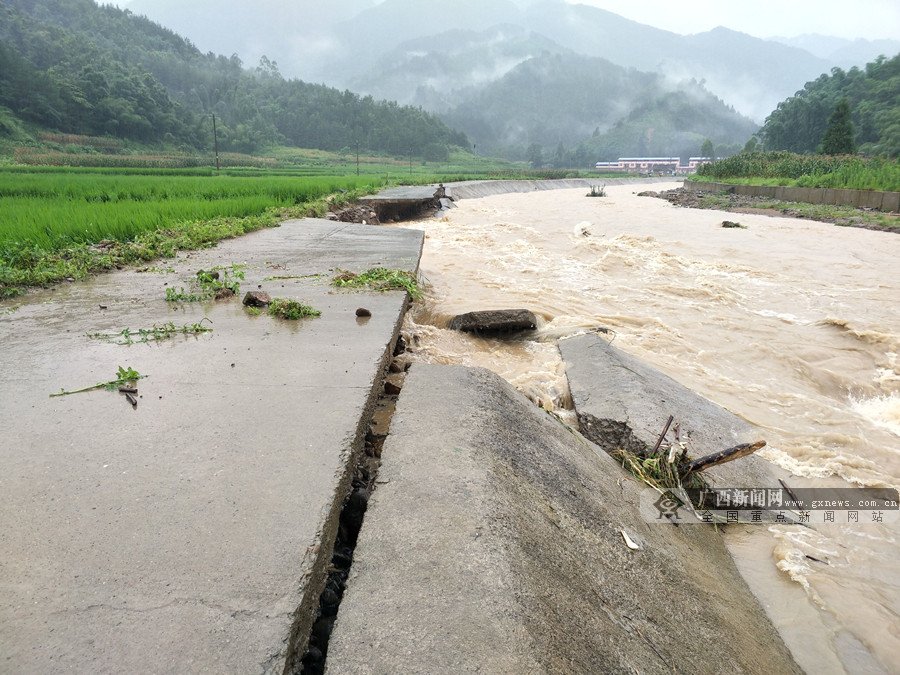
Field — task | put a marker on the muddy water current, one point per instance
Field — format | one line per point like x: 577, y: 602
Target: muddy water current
x: 791, y: 324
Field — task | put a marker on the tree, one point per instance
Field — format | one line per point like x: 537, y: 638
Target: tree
x: 535, y: 155
x: 838, y: 139
x: 706, y: 150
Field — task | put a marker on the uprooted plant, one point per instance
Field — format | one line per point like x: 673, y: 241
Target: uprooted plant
x: 124, y: 377
x: 216, y: 282
x: 668, y: 469
x: 158, y: 332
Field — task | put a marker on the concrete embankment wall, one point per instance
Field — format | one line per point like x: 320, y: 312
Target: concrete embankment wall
x: 873, y: 199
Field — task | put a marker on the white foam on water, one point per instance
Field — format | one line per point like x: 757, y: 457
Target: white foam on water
x: 882, y: 411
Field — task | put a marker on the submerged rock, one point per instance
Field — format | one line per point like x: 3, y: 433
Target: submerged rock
x: 257, y: 299
x: 495, y: 321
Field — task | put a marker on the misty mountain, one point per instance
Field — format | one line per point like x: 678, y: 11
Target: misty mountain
x: 350, y: 42
x: 564, y: 99
x: 842, y: 52
x: 74, y: 67
x: 296, y: 35
x: 434, y: 73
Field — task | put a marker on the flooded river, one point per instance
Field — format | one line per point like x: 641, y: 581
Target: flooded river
x: 793, y: 325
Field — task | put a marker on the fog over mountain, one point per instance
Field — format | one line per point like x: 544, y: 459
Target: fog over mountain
x: 381, y: 48
x: 841, y: 52
x: 464, y: 61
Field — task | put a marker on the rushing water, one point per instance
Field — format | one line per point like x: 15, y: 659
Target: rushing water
x: 791, y: 324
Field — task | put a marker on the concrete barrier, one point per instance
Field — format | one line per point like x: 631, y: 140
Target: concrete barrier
x: 872, y: 199
x: 891, y: 201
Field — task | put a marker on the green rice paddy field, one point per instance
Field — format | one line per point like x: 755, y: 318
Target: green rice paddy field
x: 52, y: 210
x: 50, y: 217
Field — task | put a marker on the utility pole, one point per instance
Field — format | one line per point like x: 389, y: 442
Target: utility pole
x: 357, y: 156
x: 216, y: 141
x: 475, y: 159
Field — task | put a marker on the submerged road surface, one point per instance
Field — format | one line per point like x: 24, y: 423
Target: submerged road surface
x: 190, y: 533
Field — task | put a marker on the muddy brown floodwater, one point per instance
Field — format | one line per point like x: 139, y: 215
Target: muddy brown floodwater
x: 791, y: 324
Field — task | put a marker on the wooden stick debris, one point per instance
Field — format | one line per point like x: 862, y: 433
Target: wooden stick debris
x: 662, y: 435
x: 789, y: 491
x: 721, y: 457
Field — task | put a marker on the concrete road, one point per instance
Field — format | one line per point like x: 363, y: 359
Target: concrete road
x: 188, y: 534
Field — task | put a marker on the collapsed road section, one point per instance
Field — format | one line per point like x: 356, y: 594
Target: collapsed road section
x: 501, y: 541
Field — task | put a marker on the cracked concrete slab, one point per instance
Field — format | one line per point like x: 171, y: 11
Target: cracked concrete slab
x: 622, y: 402
x: 494, y: 543
x: 191, y: 533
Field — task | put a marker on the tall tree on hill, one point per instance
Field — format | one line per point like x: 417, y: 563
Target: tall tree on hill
x: 706, y: 150
x: 838, y: 139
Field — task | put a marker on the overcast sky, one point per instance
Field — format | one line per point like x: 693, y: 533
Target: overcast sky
x: 871, y: 19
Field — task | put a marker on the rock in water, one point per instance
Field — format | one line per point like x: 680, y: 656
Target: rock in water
x: 257, y: 299
x: 495, y: 321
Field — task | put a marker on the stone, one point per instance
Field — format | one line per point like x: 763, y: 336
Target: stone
x: 257, y: 299
x: 495, y: 321
x: 223, y: 293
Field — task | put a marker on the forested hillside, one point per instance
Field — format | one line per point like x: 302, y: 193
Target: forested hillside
x: 798, y: 124
x: 73, y: 67
x: 583, y: 110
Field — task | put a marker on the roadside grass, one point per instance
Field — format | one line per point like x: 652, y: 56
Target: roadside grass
x: 380, y: 279
x: 58, y: 225
x: 31, y: 265
x: 291, y: 309
x: 826, y: 213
